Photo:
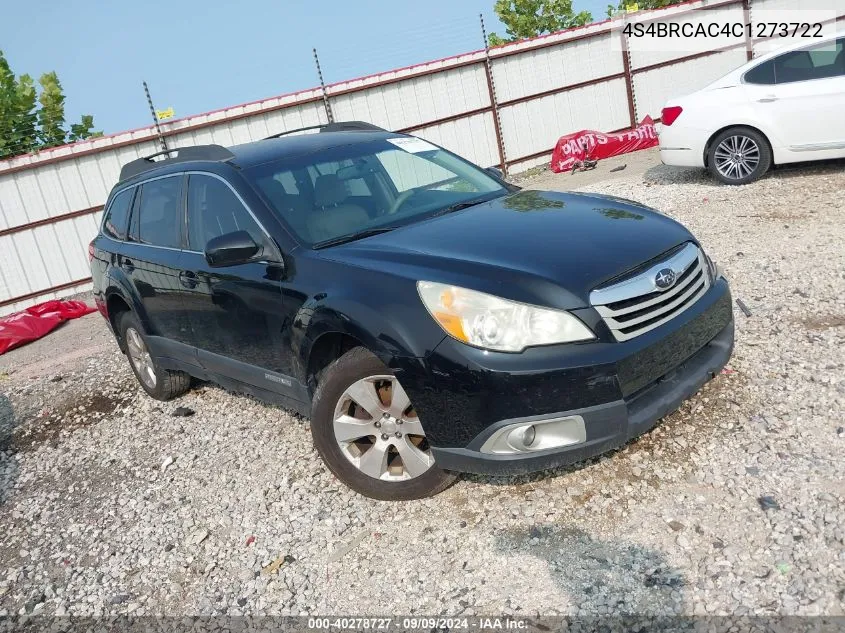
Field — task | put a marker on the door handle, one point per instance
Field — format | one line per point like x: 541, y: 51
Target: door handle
x: 127, y: 265
x: 767, y: 99
x: 188, y: 279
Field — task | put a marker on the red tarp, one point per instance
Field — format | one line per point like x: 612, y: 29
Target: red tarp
x: 22, y: 327
x: 591, y: 145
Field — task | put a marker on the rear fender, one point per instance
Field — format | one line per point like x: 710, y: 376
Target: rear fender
x: 119, y: 284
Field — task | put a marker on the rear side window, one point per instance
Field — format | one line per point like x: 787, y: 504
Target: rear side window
x: 159, y: 212
x: 117, y: 215
x: 817, y: 62
x: 214, y: 210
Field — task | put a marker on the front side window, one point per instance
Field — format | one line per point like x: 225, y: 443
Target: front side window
x: 343, y: 192
x: 117, y: 215
x: 214, y: 210
x: 159, y: 212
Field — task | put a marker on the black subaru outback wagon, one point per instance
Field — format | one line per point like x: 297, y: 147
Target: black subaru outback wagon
x: 427, y: 316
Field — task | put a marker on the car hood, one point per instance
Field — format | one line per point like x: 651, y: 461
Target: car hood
x: 539, y: 247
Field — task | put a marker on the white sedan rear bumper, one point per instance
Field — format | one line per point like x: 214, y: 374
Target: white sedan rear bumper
x: 682, y: 146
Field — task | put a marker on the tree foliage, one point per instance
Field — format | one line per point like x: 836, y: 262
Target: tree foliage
x: 29, y: 120
x: 51, y: 116
x: 641, y: 4
x: 530, y: 18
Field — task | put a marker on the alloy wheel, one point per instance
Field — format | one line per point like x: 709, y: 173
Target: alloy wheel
x: 140, y: 357
x: 378, y: 431
x: 737, y: 157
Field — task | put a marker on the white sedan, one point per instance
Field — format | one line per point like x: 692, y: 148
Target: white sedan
x: 783, y: 107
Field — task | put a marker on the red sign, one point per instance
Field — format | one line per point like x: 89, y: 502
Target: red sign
x: 591, y: 145
x: 33, y: 323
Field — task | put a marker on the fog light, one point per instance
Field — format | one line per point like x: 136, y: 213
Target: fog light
x: 536, y: 435
x: 528, y: 436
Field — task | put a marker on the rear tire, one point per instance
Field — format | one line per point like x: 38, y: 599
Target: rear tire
x: 378, y: 450
x: 738, y: 156
x: 161, y: 384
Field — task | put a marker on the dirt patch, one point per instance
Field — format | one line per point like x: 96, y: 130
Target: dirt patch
x: 53, y: 424
x: 823, y: 321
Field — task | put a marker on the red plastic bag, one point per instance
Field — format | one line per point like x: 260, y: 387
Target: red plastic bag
x: 32, y: 323
x: 592, y: 145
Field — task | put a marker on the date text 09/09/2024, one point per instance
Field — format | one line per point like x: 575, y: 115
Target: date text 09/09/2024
x: 759, y: 30
x: 420, y: 623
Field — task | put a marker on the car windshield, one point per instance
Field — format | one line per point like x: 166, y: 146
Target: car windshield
x: 351, y: 191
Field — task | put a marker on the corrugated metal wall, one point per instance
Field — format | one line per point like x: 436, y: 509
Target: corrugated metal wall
x: 50, y: 203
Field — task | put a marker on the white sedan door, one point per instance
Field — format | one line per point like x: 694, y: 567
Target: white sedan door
x: 804, y: 108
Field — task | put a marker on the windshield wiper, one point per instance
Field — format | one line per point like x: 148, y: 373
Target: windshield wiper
x: 343, y: 239
x: 463, y: 205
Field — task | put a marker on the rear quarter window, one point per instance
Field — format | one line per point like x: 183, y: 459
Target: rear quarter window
x: 763, y: 74
x: 117, y: 215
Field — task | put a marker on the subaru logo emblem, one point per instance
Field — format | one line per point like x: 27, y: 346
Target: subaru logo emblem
x: 665, y: 278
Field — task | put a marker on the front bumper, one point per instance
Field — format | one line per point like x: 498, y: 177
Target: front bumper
x: 620, y: 390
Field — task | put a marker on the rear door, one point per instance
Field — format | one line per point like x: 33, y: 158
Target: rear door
x: 800, y: 97
x: 240, y: 322
x: 150, y: 259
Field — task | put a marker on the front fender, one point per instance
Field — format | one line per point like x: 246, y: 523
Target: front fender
x: 404, y: 330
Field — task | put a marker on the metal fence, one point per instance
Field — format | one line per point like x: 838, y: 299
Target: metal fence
x: 506, y: 106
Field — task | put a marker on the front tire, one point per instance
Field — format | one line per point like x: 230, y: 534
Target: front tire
x: 368, y: 434
x: 161, y: 384
x: 738, y: 156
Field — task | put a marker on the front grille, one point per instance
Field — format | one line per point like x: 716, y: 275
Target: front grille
x: 636, y: 305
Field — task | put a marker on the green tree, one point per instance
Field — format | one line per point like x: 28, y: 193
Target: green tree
x: 7, y: 106
x: 641, y: 4
x: 24, y: 126
x: 25, y: 118
x: 530, y: 18
x: 82, y: 130
x: 51, y: 116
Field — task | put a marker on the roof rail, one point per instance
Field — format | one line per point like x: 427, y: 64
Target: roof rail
x: 175, y: 155
x: 341, y: 126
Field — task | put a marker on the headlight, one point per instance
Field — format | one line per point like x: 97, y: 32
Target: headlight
x: 712, y: 268
x: 498, y: 324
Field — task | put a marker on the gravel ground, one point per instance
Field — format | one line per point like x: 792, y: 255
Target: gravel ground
x: 733, y: 505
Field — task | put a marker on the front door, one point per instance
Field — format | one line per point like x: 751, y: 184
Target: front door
x: 803, y: 105
x: 237, y: 313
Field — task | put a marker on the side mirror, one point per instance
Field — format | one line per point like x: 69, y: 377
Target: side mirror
x: 231, y: 248
x: 495, y: 172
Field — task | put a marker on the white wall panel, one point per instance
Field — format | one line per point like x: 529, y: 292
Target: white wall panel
x: 12, y: 212
x: 654, y: 87
x: 555, y: 67
x: 646, y: 51
x: 534, y: 126
x: 472, y: 138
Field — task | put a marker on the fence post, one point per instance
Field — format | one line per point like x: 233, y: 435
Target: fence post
x: 746, y: 18
x: 629, y: 78
x: 155, y: 119
x: 326, y: 104
x: 494, y: 103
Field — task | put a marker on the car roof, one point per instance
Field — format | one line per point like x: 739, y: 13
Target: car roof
x: 286, y: 144
x: 258, y: 152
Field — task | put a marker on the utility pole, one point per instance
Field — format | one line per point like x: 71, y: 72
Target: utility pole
x: 326, y: 104
x: 155, y: 119
x: 494, y: 104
